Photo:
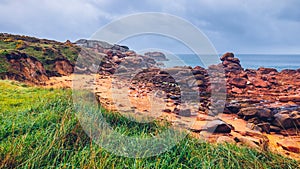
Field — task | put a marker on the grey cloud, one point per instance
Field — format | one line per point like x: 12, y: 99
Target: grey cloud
x: 257, y: 26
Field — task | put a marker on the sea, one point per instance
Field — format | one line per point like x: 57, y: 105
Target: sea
x: 248, y: 61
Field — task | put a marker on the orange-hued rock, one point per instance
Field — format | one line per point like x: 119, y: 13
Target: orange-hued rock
x: 26, y: 68
x: 294, y: 98
x: 292, y: 145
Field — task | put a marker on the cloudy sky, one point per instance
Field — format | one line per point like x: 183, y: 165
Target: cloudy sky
x: 240, y: 26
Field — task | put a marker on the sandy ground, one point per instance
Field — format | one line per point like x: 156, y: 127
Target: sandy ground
x: 116, y: 95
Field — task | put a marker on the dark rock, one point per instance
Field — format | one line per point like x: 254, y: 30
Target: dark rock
x: 234, y: 60
x: 283, y: 120
x: 233, y: 107
x: 226, y: 56
x: 238, y: 82
x: 254, y: 120
x: 173, y: 97
x: 233, y: 66
x: 265, y: 127
x: 184, y: 112
x: 167, y: 111
x: 264, y: 113
x: 218, y: 126
x: 250, y: 112
x: 199, y: 77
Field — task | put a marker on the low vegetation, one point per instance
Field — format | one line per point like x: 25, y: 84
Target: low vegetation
x: 39, y: 129
x: 46, y: 51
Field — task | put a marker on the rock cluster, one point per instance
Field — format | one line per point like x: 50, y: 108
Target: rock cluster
x: 158, y: 56
x: 112, y: 59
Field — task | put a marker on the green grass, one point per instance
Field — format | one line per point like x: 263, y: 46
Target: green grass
x: 39, y: 129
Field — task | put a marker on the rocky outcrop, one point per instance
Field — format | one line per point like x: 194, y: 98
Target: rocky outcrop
x: 34, y: 60
x: 24, y: 68
x: 111, y: 59
x: 158, y: 56
x: 63, y: 67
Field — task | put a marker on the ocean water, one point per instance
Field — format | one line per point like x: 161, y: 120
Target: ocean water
x: 250, y: 61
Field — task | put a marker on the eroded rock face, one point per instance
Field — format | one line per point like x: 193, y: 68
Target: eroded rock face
x: 64, y: 67
x: 25, y: 68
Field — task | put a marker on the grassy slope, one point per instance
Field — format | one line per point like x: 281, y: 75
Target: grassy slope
x: 45, y: 51
x: 38, y: 129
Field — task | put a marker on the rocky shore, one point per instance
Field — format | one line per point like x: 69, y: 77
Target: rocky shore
x: 261, y: 108
x: 264, y: 101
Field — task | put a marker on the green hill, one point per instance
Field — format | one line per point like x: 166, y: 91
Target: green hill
x: 20, y: 54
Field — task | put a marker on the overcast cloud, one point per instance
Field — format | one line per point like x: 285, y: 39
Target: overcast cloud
x: 256, y: 26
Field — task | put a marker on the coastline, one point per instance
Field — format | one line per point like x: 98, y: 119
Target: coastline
x: 261, y: 108
x: 249, y: 114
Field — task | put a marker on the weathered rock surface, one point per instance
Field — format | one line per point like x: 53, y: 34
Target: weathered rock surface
x: 290, y: 145
x: 218, y: 126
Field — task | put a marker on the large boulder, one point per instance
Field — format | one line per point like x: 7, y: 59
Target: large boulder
x: 218, y: 126
x: 287, y: 119
x: 249, y: 112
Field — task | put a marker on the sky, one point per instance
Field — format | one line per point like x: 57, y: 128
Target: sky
x: 239, y: 26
